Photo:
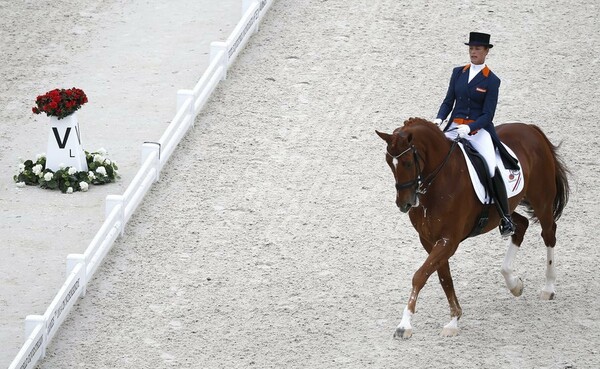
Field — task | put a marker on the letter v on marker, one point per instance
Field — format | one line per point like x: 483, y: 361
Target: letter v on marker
x: 61, y: 144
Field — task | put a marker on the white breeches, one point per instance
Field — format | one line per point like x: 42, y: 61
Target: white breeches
x: 482, y: 142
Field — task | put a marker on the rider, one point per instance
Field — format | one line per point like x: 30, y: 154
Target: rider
x: 472, y: 97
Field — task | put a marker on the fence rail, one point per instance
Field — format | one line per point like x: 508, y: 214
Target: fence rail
x: 40, y: 329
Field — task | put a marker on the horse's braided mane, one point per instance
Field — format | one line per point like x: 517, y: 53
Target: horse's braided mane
x: 413, y: 121
x: 410, y: 122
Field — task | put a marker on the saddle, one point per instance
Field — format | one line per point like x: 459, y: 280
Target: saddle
x: 479, y: 170
x: 479, y: 164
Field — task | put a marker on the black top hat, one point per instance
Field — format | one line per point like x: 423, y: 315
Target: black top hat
x: 479, y: 39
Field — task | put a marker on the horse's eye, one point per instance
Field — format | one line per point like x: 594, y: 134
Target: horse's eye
x: 407, y: 164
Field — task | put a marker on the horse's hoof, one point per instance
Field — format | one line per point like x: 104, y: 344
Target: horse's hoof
x: 518, y: 289
x: 547, y: 295
x: 402, y: 333
x: 449, y: 332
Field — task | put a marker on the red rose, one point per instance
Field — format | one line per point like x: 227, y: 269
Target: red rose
x: 60, y: 102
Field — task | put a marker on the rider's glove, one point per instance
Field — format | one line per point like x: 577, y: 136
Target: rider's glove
x: 438, y: 122
x: 463, y: 130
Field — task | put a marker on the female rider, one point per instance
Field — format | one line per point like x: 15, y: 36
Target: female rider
x: 472, y: 97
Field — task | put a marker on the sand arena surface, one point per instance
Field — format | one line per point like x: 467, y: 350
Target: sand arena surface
x: 272, y: 239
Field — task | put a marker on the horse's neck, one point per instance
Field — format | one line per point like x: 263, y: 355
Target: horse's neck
x: 436, y: 148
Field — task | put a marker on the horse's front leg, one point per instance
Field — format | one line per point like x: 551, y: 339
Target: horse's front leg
x: 440, y: 253
x: 445, y: 276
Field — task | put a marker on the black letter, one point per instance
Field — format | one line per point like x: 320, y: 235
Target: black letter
x: 64, y: 143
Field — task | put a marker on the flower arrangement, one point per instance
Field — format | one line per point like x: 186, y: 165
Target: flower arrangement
x: 60, y: 103
x: 68, y: 179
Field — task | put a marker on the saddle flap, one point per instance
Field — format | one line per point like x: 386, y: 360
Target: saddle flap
x: 513, y: 179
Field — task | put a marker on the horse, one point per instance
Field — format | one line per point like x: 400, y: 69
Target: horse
x: 433, y: 186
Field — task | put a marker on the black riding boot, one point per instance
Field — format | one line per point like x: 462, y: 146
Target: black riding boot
x: 507, y: 227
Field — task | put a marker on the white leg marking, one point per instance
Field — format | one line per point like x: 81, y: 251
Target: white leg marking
x: 548, y: 290
x: 514, y: 284
x: 404, y: 329
x: 450, y: 329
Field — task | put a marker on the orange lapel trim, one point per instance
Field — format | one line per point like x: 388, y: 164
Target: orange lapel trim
x: 486, y: 71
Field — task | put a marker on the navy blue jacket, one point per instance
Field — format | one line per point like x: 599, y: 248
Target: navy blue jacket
x: 475, y: 100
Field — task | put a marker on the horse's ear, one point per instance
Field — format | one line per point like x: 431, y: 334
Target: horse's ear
x: 384, y: 136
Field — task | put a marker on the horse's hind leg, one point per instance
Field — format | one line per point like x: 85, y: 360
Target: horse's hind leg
x: 545, y: 216
x: 514, y: 283
x: 548, y: 292
x: 549, y: 236
x: 450, y: 329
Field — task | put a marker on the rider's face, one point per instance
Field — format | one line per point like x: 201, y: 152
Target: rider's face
x: 478, y: 54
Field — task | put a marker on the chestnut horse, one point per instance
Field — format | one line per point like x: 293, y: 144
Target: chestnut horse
x: 433, y: 186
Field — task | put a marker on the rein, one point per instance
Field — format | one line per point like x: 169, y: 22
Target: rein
x: 421, y: 185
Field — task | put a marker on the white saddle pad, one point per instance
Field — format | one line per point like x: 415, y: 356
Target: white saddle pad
x: 513, y: 179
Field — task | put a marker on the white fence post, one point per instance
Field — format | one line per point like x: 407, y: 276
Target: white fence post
x: 31, y: 322
x: 111, y: 202
x: 147, y: 149
x: 246, y: 4
x: 215, y: 49
x: 72, y: 261
x: 182, y: 97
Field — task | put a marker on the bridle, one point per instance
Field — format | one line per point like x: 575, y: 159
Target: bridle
x: 421, y: 185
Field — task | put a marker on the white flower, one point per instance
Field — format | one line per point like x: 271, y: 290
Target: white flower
x: 101, y: 171
x: 84, y: 186
x: 39, y: 156
x: 70, y: 190
x: 20, y: 184
x: 91, y: 175
x: 72, y: 171
x: 98, y: 158
x: 107, y: 162
x: 62, y: 166
x: 102, y: 151
x: 37, y: 169
x: 48, y: 176
x: 21, y: 167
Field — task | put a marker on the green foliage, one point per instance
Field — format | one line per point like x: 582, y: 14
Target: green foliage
x: 101, y: 170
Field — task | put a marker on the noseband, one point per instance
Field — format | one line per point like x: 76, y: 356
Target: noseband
x: 421, y: 186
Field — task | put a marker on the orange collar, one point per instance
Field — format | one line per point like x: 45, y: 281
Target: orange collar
x: 485, y: 71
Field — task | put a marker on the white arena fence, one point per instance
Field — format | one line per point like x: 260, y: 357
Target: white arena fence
x: 40, y: 329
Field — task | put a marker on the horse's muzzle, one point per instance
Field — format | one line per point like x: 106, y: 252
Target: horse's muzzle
x: 405, y: 204
x: 404, y: 208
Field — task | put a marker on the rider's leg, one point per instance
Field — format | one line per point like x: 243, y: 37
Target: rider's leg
x: 507, y: 227
x: 482, y: 142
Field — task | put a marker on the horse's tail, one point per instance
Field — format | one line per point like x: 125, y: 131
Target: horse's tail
x: 560, y: 176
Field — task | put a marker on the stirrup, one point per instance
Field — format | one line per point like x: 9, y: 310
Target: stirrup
x: 507, y: 227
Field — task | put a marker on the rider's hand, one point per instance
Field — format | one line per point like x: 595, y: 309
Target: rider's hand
x: 463, y: 130
x: 438, y: 122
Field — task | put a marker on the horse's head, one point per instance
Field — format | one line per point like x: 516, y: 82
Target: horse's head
x: 405, y: 154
